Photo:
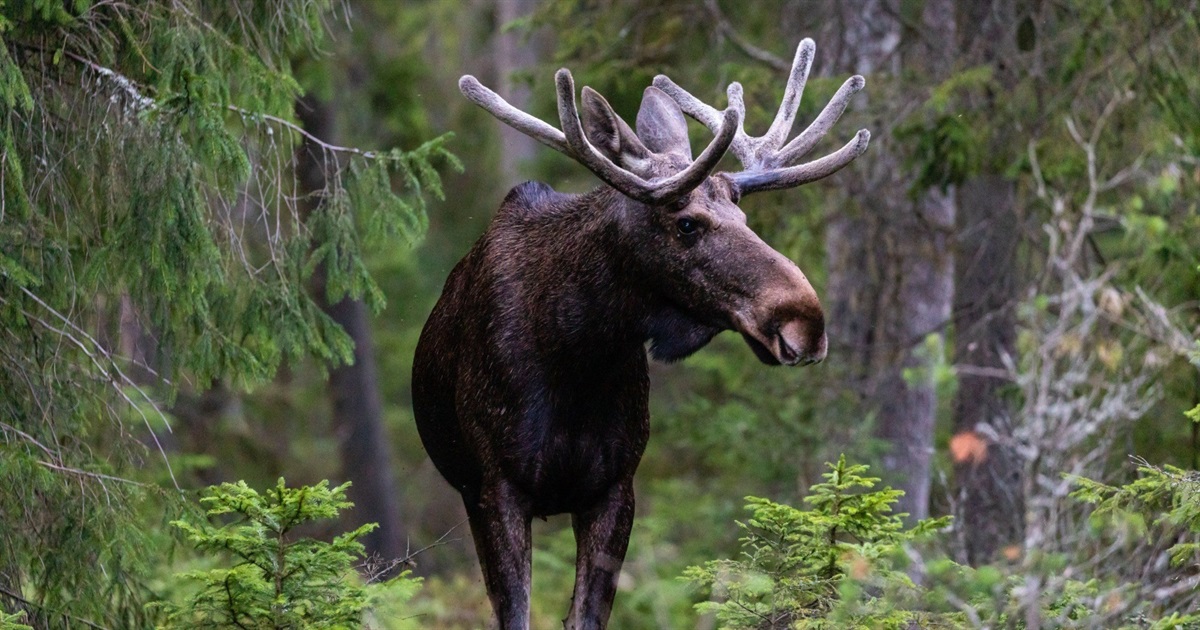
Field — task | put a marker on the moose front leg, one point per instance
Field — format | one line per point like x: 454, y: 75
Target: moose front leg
x: 499, y: 517
x: 601, y: 538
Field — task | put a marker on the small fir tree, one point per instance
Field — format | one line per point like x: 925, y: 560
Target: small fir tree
x: 278, y: 579
x: 794, y: 562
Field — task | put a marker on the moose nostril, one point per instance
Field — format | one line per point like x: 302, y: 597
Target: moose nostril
x: 788, y: 354
x: 801, y: 341
x: 821, y: 349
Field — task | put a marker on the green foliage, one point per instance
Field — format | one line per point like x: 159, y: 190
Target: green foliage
x: 102, y: 545
x: 277, y: 578
x: 13, y: 90
x: 154, y: 236
x: 13, y: 621
x: 1161, y: 502
x: 946, y: 141
x: 1193, y: 414
x: 946, y: 151
x: 794, y: 562
x: 1132, y: 567
x: 849, y: 563
x: 172, y: 204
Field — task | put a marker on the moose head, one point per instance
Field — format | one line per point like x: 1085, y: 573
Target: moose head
x: 530, y: 382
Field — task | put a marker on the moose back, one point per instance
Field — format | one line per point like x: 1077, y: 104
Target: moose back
x: 530, y: 382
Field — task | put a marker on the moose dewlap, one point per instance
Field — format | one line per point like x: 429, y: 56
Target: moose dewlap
x: 530, y: 383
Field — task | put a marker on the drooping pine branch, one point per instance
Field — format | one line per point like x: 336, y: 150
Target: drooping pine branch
x: 150, y: 240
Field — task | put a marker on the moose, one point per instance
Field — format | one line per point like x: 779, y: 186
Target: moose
x: 530, y: 380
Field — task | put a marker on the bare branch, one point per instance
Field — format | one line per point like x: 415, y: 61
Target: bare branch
x: 373, y: 569
x: 293, y: 127
x: 25, y: 602
x: 93, y: 475
x: 121, y: 378
x: 126, y: 84
x: 725, y: 27
x: 143, y: 102
x: 1077, y: 394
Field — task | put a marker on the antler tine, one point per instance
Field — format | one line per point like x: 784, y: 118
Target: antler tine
x: 765, y: 162
x: 692, y: 106
x: 733, y: 96
x: 689, y: 178
x: 782, y: 125
x: 584, y: 152
x: 803, y: 143
x: 780, y: 178
x: 753, y: 153
x: 631, y: 185
x: 495, y: 105
x: 709, y: 116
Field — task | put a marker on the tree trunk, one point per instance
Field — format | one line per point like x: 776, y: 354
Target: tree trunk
x: 913, y: 315
x: 353, y: 389
x: 870, y: 36
x: 514, y: 51
x: 987, y: 473
x: 891, y: 267
x: 989, y: 506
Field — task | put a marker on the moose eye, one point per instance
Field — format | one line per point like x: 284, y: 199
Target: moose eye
x: 687, y: 227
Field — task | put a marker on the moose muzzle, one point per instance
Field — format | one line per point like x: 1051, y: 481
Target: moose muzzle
x: 785, y: 325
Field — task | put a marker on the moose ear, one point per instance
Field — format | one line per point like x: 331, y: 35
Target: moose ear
x: 608, y: 133
x: 660, y: 124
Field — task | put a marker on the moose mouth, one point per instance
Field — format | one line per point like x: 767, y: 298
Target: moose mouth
x: 780, y: 353
x: 773, y: 347
x: 760, y: 350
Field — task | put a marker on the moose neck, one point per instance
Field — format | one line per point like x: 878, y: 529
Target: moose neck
x: 585, y: 294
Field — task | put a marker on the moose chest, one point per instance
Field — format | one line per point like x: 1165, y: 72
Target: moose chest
x: 565, y: 435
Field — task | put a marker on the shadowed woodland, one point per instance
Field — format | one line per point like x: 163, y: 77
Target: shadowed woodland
x: 224, y: 225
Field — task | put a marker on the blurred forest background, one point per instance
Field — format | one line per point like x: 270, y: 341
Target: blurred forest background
x: 222, y: 226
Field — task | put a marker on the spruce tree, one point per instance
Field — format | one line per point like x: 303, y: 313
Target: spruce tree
x: 150, y: 236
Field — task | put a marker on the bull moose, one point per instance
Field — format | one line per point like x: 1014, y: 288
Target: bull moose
x: 530, y: 381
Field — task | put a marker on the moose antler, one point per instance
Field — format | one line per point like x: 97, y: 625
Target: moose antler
x: 572, y: 141
x: 766, y: 158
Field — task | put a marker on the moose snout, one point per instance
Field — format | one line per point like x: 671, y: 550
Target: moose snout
x: 783, y: 323
x: 802, y: 342
x: 785, y: 332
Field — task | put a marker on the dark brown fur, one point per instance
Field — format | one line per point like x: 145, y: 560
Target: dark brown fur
x: 530, y: 384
